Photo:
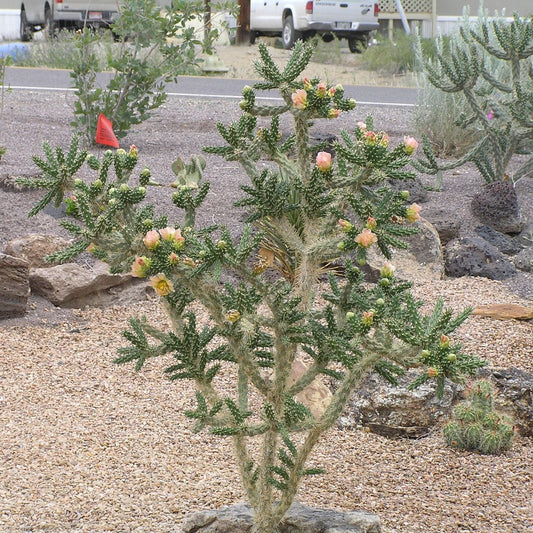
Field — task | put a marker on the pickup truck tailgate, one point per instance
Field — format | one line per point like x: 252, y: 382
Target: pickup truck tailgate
x: 343, y: 11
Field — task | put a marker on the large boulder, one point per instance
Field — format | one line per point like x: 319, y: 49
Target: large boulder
x: 496, y: 205
x: 514, y: 397
x: 474, y: 256
x: 14, y: 286
x: 447, y: 226
x: 35, y: 247
x: 394, y: 410
x: 421, y: 261
x: 299, y: 519
x: 69, y: 285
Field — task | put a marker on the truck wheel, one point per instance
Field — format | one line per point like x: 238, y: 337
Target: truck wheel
x: 25, y: 30
x: 253, y: 36
x: 357, y: 45
x: 289, y: 35
x: 49, y: 25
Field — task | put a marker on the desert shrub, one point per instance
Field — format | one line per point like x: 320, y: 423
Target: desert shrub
x: 321, y: 208
x: 476, y: 425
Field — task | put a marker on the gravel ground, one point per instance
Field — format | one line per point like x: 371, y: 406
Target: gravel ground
x: 91, y: 447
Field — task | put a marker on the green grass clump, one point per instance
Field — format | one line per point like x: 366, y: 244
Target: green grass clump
x: 476, y: 425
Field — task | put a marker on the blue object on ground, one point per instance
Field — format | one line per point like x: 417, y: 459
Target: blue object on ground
x: 16, y: 50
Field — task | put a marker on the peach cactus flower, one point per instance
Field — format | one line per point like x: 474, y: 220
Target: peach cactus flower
x: 179, y: 239
x: 411, y: 144
x: 151, y: 239
x: 334, y: 113
x: 361, y: 125
x: 299, y: 99
x: 412, y: 214
x: 162, y: 285
x: 167, y: 234
x: 323, y: 161
x: 140, y: 266
x: 366, y: 238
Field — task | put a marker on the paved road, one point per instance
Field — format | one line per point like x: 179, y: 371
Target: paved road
x: 191, y: 86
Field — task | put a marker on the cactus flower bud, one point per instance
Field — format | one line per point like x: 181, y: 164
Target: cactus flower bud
x: 247, y: 90
x: 371, y: 223
x: 368, y: 317
x: 412, y: 213
x: 323, y: 161
x: 444, y: 341
x: 77, y: 182
x: 345, y: 225
x: 352, y: 103
x: 361, y: 125
x: 350, y: 315
x: 380, y: 302
x: 410, y: 145
x: 452, y: 357
x: 141, y: 266
x: 134, y: 152
x: 222, y: 245
x: 334, y: 113
x: 306, y: 82
x: 124, y: 187
x: 424, y: 354
x: 432, y: 372
x: 173, y: 258
x: 387, y: 270
x: 341, y: 246
x: 321, y: 90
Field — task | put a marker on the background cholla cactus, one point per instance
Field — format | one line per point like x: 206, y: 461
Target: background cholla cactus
x: 476, y: 425
x: 490, y: 64
x: 319, y: 209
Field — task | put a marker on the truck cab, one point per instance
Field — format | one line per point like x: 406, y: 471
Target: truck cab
x: 301, y: 19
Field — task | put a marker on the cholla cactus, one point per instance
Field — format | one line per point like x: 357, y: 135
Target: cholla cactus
x: 500, y: 108
x: 476, y: 425
x: 320, y: 208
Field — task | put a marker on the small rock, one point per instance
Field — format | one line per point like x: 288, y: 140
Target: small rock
x: 316, y: 396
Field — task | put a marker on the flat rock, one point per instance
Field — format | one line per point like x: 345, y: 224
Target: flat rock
x: 505, y: 311
x: 298, y: 519
x: 64, y: 284
x: 14, y: 286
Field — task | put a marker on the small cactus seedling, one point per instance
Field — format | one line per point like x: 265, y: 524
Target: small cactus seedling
x: 477, y: 426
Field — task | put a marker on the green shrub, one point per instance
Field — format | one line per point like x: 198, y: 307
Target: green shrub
x: 476, y: 426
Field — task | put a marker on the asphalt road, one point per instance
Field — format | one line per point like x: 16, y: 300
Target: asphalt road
x: 203, y: 87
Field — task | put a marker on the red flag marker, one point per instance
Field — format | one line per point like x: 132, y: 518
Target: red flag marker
x: 104, y: 132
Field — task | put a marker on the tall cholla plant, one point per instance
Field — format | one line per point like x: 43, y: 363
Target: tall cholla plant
x: 490, y: 64
x: 476, y: 425
x: 322, y: 209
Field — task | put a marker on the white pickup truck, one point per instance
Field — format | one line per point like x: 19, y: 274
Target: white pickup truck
x: 300, y: 19
x: 52, y: 14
